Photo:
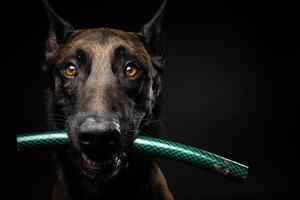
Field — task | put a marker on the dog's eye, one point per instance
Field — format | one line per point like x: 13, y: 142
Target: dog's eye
x: 131, y: 69
x: 70, y: 70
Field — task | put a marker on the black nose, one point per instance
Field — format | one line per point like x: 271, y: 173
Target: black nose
x: 101, y: 136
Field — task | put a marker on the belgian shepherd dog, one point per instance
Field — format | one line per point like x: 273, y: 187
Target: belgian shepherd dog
x: 104, y: 90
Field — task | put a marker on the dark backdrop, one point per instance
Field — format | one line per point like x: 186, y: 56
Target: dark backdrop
x: 230, y: 88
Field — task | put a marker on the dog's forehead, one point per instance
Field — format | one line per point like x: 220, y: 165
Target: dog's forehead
x: 104, y: 40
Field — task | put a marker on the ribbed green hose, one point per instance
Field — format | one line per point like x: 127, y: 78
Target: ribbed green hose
x: 154, y: 146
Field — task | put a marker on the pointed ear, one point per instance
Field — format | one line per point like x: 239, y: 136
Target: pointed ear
x: 153, y: 38
x: 59, y: 31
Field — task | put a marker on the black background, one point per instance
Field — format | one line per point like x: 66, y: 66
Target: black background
x: 231, y: 88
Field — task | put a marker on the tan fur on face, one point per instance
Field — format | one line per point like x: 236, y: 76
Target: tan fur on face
x: 128, y: 39
x: 101, y: 43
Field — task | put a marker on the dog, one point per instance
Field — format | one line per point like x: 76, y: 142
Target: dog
x: 104, y: 90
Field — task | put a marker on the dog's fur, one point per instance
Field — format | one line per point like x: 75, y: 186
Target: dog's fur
x: 102, y: 93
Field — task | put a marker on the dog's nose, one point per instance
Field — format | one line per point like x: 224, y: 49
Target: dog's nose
x: 104, y: 136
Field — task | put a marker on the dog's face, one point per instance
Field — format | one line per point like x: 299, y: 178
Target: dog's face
x: 105, y: 83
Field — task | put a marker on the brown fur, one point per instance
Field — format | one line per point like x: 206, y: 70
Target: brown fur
x: 157, y: 187
x: 101, y: 94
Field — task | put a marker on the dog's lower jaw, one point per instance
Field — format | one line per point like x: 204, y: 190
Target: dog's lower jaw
x: 143, y: 183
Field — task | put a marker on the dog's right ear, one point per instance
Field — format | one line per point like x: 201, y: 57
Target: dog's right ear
x: 59, y: 31
x: 153, y: 38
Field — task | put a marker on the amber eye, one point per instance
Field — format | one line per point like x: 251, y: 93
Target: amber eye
x: 131, y: 70
x: 70, y: 70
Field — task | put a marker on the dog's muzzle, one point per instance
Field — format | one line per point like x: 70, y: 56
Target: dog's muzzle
x: 102, y: 137
x: 100, y: 147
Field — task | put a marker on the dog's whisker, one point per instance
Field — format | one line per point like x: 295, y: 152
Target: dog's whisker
x: 58, y: 116
x: 132, y: 131
x: 48, y: 92
x: 52, y: 117
x: 55, y: 118
x: 144, y: 133
x: 149, y: 121
x: 61, y: 120
x: 56, y: 122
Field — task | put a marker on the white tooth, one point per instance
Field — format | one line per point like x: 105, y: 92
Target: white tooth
x: 118, y: 162
x: 88, y: 162
x: 84, y: 156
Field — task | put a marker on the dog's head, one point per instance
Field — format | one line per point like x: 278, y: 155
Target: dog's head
x: 105, y: 88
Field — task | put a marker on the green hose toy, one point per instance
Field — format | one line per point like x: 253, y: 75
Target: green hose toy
x: 154, y: 146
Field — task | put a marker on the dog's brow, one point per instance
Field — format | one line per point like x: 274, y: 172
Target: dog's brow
x: 80, y: 53
x: 129, y: 54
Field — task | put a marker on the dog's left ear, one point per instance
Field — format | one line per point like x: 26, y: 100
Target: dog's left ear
x: 59, y: 31
x: 153, y: 38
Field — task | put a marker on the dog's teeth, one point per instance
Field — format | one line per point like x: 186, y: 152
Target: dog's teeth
x: 97, y: 165
x: 84, y: 157
x: 89, y: 162
x: 118, y: 161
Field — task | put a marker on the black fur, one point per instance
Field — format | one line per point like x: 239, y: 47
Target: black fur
x: 103, y: 93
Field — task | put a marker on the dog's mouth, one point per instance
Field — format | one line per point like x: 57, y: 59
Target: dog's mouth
x: 101, y: 168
